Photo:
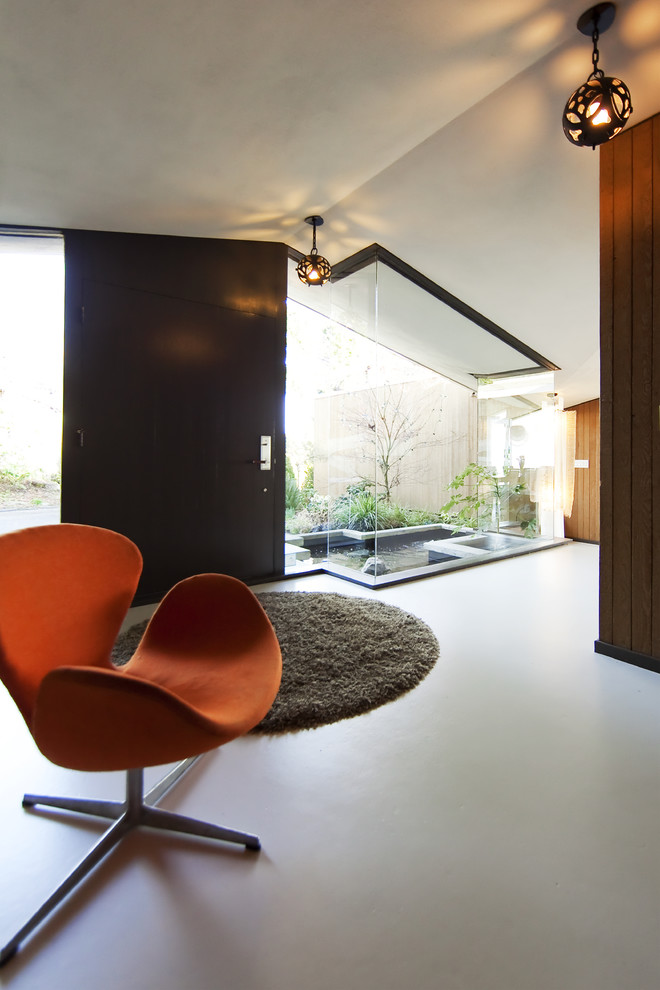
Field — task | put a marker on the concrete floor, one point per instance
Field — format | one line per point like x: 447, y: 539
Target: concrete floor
x: 13, y: 519
x: 495, y: 829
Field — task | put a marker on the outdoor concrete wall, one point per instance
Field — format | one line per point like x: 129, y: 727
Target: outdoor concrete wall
x: 426, y: 429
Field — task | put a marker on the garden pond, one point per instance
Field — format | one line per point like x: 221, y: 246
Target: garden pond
x: 389, y: 556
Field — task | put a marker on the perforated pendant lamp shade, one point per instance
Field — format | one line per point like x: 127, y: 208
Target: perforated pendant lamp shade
x: 313, y: 268
x: 598, y: 109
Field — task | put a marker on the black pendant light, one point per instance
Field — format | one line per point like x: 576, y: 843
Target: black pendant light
x: 600, y: 107
x: 314, y: 269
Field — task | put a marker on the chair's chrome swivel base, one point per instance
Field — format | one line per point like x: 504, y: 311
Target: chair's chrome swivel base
x: 137, y: 809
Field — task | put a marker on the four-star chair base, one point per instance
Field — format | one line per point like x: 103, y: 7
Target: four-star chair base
x: 137, y: 809
x: 205, y: 672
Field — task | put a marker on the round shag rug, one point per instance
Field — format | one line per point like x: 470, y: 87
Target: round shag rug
x: 341, y: 656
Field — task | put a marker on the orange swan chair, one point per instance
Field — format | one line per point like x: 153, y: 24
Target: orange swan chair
x: 207, y: 670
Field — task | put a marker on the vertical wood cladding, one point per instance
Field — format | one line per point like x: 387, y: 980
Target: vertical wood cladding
x: 630, y: 395
x: 584, y: 521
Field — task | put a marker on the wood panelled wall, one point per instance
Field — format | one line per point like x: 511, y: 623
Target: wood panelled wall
x: 630, y: 396
x: 584, y: 521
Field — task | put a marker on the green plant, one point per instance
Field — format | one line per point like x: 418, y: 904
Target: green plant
x: 361, y: 509
x: 13, y: 475
x: 311, y: 517
x: 308, y: 479
x: 526, y: 517
x: 420, y: 517
x: 292, y: 496
x: 357, y: 510
x: 480, y: 497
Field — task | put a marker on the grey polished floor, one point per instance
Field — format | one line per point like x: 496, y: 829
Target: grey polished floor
x: 13, y: 519
x: 495, y: 829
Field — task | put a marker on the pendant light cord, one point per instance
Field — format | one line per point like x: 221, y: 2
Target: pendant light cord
x: 596, y: 72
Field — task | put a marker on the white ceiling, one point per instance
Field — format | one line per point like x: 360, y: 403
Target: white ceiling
x: 432, y: 128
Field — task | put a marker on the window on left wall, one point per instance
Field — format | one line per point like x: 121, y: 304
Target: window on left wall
x: 31, y: 371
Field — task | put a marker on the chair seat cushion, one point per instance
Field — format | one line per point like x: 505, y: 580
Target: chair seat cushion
x: 206, y: 671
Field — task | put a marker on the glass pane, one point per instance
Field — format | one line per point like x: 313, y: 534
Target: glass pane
x: 31, y: 371
x: 396, y: 469
x: 517, y: 450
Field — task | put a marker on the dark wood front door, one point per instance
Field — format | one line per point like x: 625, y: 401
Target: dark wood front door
x: 174, y: 395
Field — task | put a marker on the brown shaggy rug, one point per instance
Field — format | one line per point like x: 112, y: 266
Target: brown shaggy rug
x: 342, y: 656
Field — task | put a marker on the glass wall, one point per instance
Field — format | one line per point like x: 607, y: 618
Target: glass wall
x: 394, y: 468
x: 517, y: 443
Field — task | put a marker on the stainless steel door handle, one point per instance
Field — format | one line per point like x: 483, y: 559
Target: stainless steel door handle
x: 264, y: 461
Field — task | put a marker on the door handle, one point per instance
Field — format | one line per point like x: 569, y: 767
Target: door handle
x: 264, y: 461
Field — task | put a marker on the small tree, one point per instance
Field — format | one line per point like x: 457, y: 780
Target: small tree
x: 479, y: 491
x: 393, y: 429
